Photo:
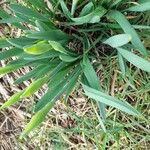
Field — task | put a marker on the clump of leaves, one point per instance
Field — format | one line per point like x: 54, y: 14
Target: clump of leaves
x: 60, y: 47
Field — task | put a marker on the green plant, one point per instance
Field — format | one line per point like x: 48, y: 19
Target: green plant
x: 62, y: 46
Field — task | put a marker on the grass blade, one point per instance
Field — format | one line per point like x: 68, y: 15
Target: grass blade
x: 57, y: 47
x: 128, y: 29
x: 37, y: 119
x: 140, y: 7
x: 4, y: 43
x: 8, y: 69
x: 12, y: 100
x: 109, y: 100
x: 27, y: 11
x: 35, y: 86
x: 93, y: 17
x: 135, y: 60
x: 73, y: 7
x: 122, y: 64
x: 87, y: 9
x: 10, y: 53
x: 52, y: 35
x: 93, y: 81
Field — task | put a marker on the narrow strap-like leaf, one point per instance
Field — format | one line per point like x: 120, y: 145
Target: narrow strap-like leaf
x: 73, y: 7
x: 35, y: 86
x: 93, y: 81
x: 52, y: 35
x: 4, y: 43
x: 122, y: 64
x: 9, y: 53
x: 140, y: 7
x: 126, y: 26
x: 65, y: 9
x: 12, y: 100
x: 93, y: 17
x: 57, y: 47
x: 21, y: 42
x: 56, y: 92
x: 110, y: 101
x: 88, y: 8
x: 135, y: 60
x: 29, y: 75
x: 68, y: 58
x: 37, y: 118
x: 8, y: 69
x: 43, y: 26
x: 26, y: 11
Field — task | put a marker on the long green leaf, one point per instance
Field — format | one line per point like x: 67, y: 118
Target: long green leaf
x: 35, y: 86
x: 140, y: 7
x: 126, y: 26
x: 122, y: 64
x: 52, y: 35
x: 88, y: 8
x: 12, y: 100
x: 57, y: 78
x: 29, y: 75
x: 43, y: 26
x: 37, y: 118
x: 9, y: 53
x: 39, y: 4
x: 110, y: 101
x: 8, y: 69
x: 68, y: 58
x: 51, y: 95
x: 135, y: 60
x: 118, y: 40
x: 27, y: 11
x: 57, y: 47
x: 4, y: 43
x: 21, y: 42
x: 57, y: 91
x: 93, y: 17
x: 93, y: 81
x: 73, y: 7
x: 65, y: 9
x: 90, y: 73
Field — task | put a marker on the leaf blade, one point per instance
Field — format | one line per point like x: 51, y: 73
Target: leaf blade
x: 135, y: 60
x: 12, y: 100
x: 140, y: 7
x: 108, y: 100
x: 118, y: 40
x: 126, y: 26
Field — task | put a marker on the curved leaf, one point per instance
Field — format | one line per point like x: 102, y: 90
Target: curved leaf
x: 140, y: 7
x: 37, y: 118
x: 93, y: 81
x: 35, y: 86
x: 93, y: 17
x: 57, y: 47
x: 135, y: 60
x: 39, y: 48
x: 8, y: 69
x: 126, y: 26
x: 109, y: 100
x: 67, y: 58
x: 118, y: 40
x: 12, y: 100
